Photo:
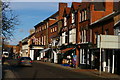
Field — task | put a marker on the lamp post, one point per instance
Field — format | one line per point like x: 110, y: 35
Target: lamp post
x: 3, y: 38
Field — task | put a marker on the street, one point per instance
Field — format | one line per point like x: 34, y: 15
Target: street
x: 43, y: 70
x: 46, y: 70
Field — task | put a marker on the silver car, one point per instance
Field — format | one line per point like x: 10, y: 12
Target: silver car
x: 25, y: 61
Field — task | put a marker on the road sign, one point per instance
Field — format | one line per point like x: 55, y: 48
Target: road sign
x: 108, y: 41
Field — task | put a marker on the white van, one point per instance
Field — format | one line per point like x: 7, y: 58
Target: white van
x: 6, y: 54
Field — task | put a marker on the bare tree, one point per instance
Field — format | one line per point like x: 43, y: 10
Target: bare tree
x: 9, y: 20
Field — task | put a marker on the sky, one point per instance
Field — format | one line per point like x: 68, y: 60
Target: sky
x: 30, y: 14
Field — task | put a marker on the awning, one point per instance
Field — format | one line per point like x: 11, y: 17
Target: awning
x: 65, y: 50
x: 44, y: 50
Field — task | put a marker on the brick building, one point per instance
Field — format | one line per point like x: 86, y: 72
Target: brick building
x: 70, y: 35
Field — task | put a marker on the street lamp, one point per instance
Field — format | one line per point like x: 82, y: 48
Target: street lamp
x: 3, y: 38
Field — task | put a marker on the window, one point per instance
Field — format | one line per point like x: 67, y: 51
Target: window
x: 95, y: 38
x: 119, y: 30
x: 73, y: 17
x: 55, y: 28
x: 66, y: 37
x: 63, y: 38
x: 90, y: 35
x: 106, y: 32
x: 70, y: 36
x: 80, y: 16
x: 44, y: 40
x: 39, y: 41
x: 40, y: 28
x: 36, y: 41
x: 74, y: 35
x: 82, y: 36
x: 45, y: 27
x: 85, y: 13
x: 51, y: 30
x: 65, y: 21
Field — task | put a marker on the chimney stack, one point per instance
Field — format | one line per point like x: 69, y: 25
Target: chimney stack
x: 62, y: 6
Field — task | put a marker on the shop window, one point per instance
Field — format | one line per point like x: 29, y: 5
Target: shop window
x: 119, y: 30
x: 66, y: 37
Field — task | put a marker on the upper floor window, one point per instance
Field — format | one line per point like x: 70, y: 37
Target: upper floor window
x: 51, y: 30
x: 95, y: 37
x: 45, y: 27
x: 55, y: 28
x: 80, y: 17
x: 66, y: 37
x: 73, y: 17
x: 85, y: 14
x: 40, y: 28
x: 106, y: 32
x: 65, y: 21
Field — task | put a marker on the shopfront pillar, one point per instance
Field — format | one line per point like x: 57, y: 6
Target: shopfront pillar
x: 113, y: 62
x: 77, y: 57
x: 104, y: 60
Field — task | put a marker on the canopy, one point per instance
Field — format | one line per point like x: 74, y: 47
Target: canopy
x: 44, y: 50
x: 65, y: 50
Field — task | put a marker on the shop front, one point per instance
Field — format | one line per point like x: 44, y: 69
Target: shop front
x: 85, y: 55
x: 34, y: 51
x: 68, y: 57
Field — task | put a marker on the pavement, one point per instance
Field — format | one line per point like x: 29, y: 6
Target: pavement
x: 92, y: 72
x: 8, y: 72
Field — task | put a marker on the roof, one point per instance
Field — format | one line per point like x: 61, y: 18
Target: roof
x: 52, y: 16
x: 106, y: 18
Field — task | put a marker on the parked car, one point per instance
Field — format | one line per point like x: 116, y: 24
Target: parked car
x: 25, y: 61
